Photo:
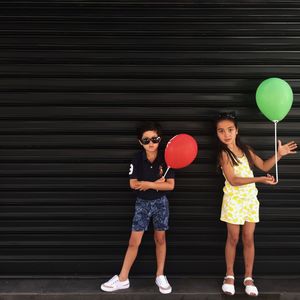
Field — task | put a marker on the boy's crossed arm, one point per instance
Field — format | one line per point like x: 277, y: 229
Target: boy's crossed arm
x: 161, y: 184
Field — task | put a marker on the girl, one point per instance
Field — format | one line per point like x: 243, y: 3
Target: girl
x: 240, y: 205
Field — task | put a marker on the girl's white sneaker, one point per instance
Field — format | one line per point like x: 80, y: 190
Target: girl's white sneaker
x: 228, y: 288
x: 115, y: 284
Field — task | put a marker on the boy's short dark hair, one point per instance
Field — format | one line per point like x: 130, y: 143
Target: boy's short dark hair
x: 148, y: 126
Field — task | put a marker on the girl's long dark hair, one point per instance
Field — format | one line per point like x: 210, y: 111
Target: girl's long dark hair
x: 221, y: 147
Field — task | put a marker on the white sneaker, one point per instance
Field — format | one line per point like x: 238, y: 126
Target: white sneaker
x: 115, y: 284
x: 163, y: 284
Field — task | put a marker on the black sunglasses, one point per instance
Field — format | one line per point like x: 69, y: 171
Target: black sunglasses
x: 154, y: 140
x: 227, y: 115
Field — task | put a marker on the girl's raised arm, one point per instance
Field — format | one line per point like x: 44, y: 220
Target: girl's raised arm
x: 267, y: 165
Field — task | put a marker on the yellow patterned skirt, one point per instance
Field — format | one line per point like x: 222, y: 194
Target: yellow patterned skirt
x: 236, y: 210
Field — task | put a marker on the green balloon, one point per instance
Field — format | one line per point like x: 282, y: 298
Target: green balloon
x: 274, y: 98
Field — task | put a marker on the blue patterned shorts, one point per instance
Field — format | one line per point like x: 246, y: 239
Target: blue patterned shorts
x: 158, y: 209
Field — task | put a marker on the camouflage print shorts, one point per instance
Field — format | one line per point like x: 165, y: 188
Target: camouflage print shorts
x: 158, y: 209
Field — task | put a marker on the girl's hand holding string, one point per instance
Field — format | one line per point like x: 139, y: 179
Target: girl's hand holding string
x: 269, y: 179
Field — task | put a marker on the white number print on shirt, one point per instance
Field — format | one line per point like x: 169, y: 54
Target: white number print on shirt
x: 131, y: 169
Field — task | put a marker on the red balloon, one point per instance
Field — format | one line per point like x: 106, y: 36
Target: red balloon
x: 180, y: 151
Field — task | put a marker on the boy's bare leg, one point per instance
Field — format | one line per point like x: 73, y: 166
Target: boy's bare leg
x: 161, y: 250
x: 131, y: 253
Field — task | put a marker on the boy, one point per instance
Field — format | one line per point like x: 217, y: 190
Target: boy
x: 146, y: 177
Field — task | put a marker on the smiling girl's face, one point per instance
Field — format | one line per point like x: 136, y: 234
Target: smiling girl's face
x: 227, y: 132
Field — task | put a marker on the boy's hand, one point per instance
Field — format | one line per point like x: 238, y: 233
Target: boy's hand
x: 286, y: 148
x: 162, y: 179
x: 135, y: 184
x: 143, y: 185
x: 269, y: 179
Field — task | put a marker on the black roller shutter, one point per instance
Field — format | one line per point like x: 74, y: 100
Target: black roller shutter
x: 76, y: 77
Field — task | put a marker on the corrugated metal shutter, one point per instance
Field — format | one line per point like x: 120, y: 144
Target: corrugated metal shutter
x: 76, y: 78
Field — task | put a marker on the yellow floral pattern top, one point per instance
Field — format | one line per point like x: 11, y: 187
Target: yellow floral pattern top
x: 240, y: 203
x: 242, y: 191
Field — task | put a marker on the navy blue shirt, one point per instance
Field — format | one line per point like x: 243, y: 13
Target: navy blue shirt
x: 143, y: 170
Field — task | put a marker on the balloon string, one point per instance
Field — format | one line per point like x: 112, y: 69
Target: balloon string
x: 166, y: 172
x: 276, y: 158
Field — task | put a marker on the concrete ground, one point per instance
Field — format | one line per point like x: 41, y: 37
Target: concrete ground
x: 142, y: 289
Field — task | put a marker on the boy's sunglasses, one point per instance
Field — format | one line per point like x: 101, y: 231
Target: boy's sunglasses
x: 154, y: 140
